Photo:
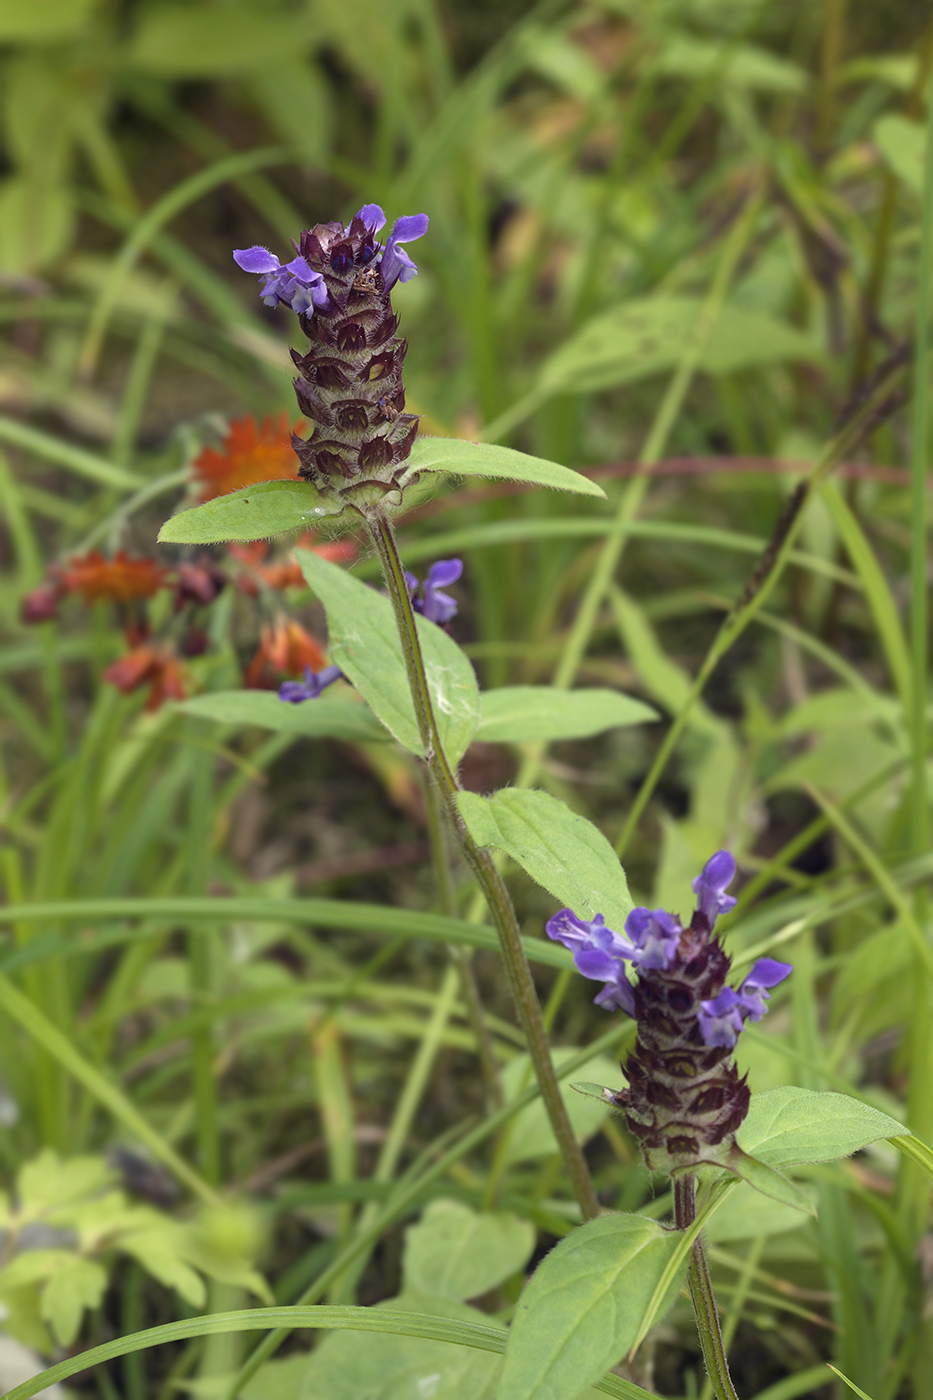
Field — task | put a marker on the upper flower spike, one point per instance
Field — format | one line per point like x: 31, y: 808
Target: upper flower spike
x: 349, y: 383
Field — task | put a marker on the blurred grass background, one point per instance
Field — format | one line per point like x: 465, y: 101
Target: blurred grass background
x: 680, y: 233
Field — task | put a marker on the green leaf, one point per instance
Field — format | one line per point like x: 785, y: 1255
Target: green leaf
x: 531, y: 1135
x: 353, y: 1367
x: 730, y: 65
x: 252, y: 513
x: 517, y: 714
x: 49, y: 22
x: 583, y: 1307
x: 747, y: 1216
x: 457, y: 1331
x: 76, y: 1284
x: 332, y: 716
x: 851, y: 1384
x: 789, y: 1126
x: 563, y: 852
x: 902, y: 144
x: 432, y: 454
x: 183, y: 41
x: 364, y: 643
x: 769, y: 1182
x: 645, y: 337
x: 455, y: 1252
x: 160, y: 1254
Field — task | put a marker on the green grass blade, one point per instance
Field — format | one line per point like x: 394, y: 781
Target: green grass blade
x: 330, y: 913
x: 27, y: 1015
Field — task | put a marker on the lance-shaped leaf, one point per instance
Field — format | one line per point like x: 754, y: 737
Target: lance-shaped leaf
x: 563, y: 852
x: 364, y: 643
x: 329, y: 717
x: 789, y: 1126
x: 583, y: 1308
x: 252, y: 513
x: 517, y: 714
x: 435, y: 454
x: 768, y: 1181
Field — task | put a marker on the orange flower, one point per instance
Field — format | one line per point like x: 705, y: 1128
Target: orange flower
x: 116, y: 580
x: 285, y: 649
x: 251, y: 452
x: 285, y: 573
x: 153, y: 664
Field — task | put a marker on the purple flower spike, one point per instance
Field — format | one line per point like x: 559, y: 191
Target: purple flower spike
x: 754, y: 996
x: 396, y: 265
x: 293, y: 284
x: 721, y: 1019
x: 293, y: 692
x: 710, y: 886
x: 598, y: 953
x: 655, y: 937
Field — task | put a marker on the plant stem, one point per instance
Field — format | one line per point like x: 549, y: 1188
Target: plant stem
x: 484, y: 869
x: 701, y: 1293
x: 461, y: 957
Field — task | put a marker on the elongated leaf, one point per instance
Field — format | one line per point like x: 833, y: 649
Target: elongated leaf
x: 431, y: 454
x: 520, y: 713
x: 364, y: 643
x: 582, y: 1309
x: 789, y: 1126
x: 332, y: 716
x: 32, y: 1020
x: 325, y: 913
x: 747, y: 1217
x: 458, y: 1253
x: 647, y: 336
x: 393, y: 1321
x: 351, y: 1367
x: 901, y: 142
x: 563, y: 852
x: 769, y: 1182
x: 252, y: 513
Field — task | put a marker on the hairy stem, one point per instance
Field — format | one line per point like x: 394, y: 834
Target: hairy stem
x: 701, y: 1294
x: 484, y: 870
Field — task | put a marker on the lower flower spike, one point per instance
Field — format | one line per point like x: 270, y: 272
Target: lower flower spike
x: 685, y: 1099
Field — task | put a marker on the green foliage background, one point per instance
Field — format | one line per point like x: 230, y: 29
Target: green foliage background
x: 681, y: 234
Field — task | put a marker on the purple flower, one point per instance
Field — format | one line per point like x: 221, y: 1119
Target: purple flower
x: 598, y: 953
x: 710, y: 886
x: 721, y: 1018
x: 310, y: 688
x: 767, y: 972
x: 655, y: 936
x: 294, y: 284
x: 396, y: 265
x: 433, y: 604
